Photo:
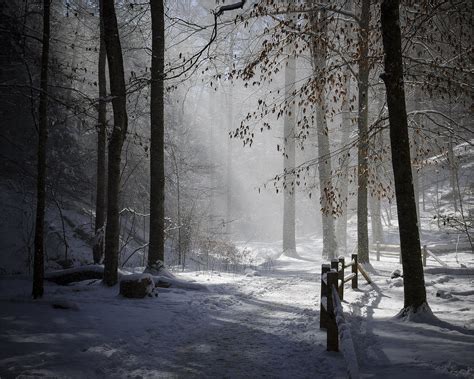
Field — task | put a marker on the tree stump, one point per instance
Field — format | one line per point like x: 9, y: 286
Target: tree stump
x: 136, y: 286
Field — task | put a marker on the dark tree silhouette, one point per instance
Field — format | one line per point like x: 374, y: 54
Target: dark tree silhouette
x: 414, y: 283
x: 119, y: 132
x: 157, y: 166
x: 38, y: 265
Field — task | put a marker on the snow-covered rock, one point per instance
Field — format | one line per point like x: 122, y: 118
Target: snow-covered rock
x: 136, y: 286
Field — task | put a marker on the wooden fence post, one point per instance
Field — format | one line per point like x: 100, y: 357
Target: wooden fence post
x: 378, y: 251
x: 335, y: 264
x: 425, y: 253
x: 332, y: 334
x: 341, y: 277
x: 323, y: 313
x: 355, y: 271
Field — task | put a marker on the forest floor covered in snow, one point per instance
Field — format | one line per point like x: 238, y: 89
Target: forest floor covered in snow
x: 262, y: 323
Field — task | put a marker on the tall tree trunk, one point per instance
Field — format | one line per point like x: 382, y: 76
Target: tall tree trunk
x: 156, y: 251
x: 413, y: 279
x: 374, y: 202
x: 289, y: 242
x: 346, y: 124
x: 362, y: 124
x: 341, y: 225
x: 38, y: 264
x: 228, y: 186
x: 98, y: 249
x: 119, y: 133
x: 319, y: 55
x: 415, y: 164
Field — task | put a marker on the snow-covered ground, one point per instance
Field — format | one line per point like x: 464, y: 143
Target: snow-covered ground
x: 263, y: 323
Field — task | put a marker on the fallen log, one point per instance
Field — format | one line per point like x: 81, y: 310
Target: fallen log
x: 76, y: 274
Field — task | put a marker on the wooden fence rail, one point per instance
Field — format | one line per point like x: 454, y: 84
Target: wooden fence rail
x: 332, y: 319
x: 393, y: 251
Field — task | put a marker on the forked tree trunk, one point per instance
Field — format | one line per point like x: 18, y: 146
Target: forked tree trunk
x: 98, y: 249
x: 413, y: 279
x: 156, y: 251
x: 289, y: 242
x: 362, y: 124
x: 119, y: 132
x: 38, y: 264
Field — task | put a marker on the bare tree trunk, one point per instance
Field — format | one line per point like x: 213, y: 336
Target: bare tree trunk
x: 119, y: 132
x: 362, y: 123
x: 157, y: 167
x: 319, y: 55
x: 228, y: 189
x: 374, y: 202
x: 414, y: 283
x: 38, y: 265
x: 453, y: 174
x: 289, y: 241
x: 98, y: 249
x: 341, y: 225
x: 346, y: 124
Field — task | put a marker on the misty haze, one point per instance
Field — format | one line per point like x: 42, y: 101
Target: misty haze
x: 236, y: 189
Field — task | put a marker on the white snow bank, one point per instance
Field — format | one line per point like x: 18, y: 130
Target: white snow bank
x: 180, y: 283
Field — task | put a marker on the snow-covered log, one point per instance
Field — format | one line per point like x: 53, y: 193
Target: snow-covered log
x: 75, y: 274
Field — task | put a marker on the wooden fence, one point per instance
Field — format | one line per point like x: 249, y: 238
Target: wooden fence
x: 333, y: 280
x: 393, y: 251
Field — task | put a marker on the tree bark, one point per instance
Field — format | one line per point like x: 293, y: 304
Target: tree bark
x: 346, y: 124
x: 414, y: 284
x: 362, y: 124
x: 319, y: 55
x: 341, y: 225
x: 38, y: 264
x: 119, y: 132
x: 98, y: 249
x: 375, y: 202
x: 230, y: 122
x: 156, y: 251
x: 289, y: 242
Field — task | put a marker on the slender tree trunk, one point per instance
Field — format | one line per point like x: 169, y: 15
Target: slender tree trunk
x: 319, y: 55
x: 38, y: 264
x: 230, y: 123
x: 452, y: 174
x: 341, y: 225
x: 212, y: 161
x: 362, y: 124
x: 346, y: 124
x: 119, y: 132
x: 376, y: 219
x: 415, y: 164
x: 98, y: 249
x: 156, y: 250
x: 413, y: 279
x: 374, y: 202
x: 289, y: 242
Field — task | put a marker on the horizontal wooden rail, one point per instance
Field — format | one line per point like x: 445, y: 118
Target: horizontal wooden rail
x: 332, y: 315
x: 394, y: 251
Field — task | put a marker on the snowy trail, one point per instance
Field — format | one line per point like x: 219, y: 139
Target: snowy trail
x: 269, y: 328
x: 258, y: 326
x: 265, y: 325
